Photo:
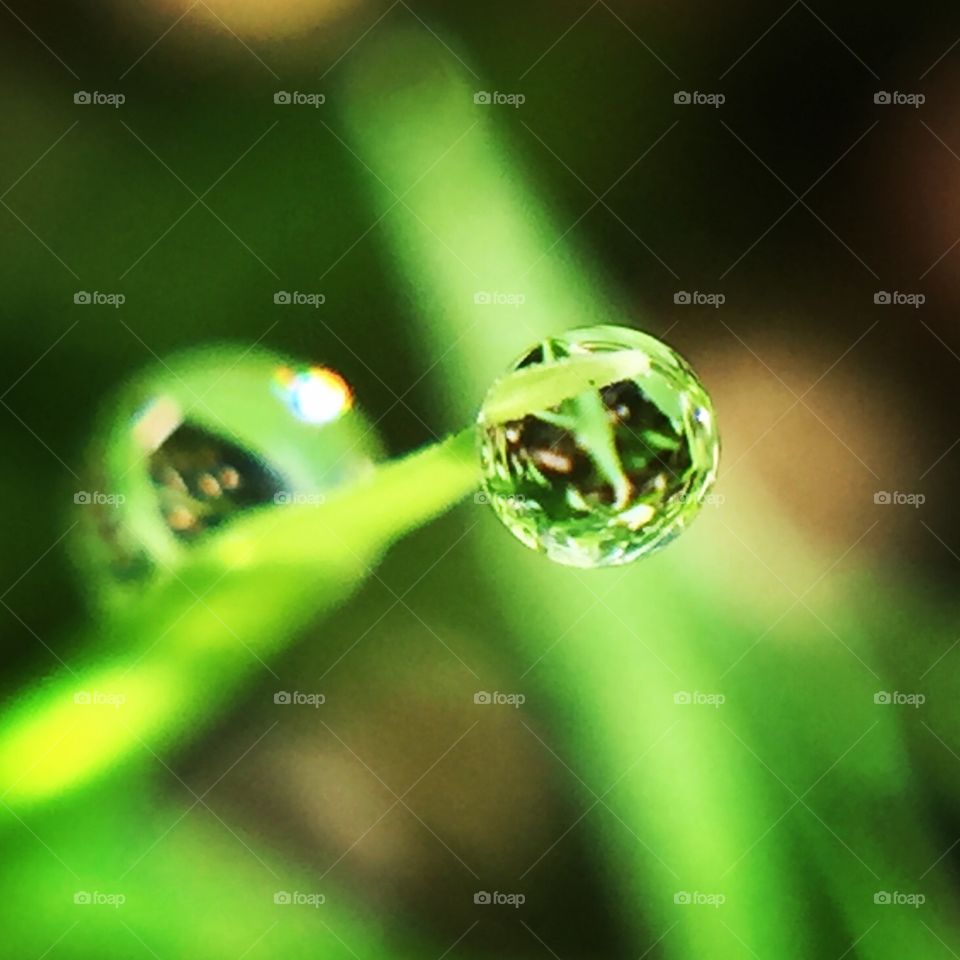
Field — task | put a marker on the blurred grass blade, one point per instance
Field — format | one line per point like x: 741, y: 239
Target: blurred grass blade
x: 189, y: 640
x: 486, y: 231
x: 185, y: 883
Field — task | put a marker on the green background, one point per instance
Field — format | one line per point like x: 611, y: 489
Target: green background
x: 798, y: 598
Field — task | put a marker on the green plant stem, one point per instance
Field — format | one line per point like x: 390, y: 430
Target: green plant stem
x: 184, y: 647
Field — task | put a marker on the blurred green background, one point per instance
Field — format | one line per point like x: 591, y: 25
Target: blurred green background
x: 803, y: 816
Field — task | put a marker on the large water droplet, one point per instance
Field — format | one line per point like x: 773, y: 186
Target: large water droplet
x: 598, y: 447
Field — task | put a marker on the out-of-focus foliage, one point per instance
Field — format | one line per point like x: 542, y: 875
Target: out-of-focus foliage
x: 796, y: 801
x: 195, y: 632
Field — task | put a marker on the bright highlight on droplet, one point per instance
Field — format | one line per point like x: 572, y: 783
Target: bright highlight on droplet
x: 598, y: 447
x: 155, y: 422
x: 315, y: 395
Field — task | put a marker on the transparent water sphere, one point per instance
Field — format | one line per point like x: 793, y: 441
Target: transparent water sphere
x: 203, y: 438
x: 598, y: 447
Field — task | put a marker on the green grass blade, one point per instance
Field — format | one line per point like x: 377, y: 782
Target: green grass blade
x: 183, y: 648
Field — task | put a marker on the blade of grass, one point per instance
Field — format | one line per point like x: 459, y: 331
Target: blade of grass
x: 189, y: 887
x: 545, y: 385
x: 241, y: 596
x: 485, y: 230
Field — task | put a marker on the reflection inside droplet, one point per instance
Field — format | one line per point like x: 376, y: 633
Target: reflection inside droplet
x: 615, y: 470
x: 202, y: 480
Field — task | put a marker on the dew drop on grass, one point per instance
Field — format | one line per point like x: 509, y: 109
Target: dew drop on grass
x: 206, y: 438
x: 598, y: 446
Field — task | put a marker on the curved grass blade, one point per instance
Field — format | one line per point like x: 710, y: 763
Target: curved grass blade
x: 204, y: 628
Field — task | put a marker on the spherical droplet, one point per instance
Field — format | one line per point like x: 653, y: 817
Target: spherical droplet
x: 204, y: 437
x: 598, y: 446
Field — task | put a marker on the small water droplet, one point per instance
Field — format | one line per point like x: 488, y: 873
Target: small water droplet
x: 615, y: 464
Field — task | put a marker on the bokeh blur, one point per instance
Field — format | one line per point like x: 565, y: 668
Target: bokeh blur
x: 745, y: 746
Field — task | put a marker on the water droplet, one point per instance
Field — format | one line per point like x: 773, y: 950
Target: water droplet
x: 598, y: 446
x: 204, y: 437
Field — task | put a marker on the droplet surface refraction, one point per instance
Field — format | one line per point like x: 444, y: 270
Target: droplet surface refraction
x: 598, y: 446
